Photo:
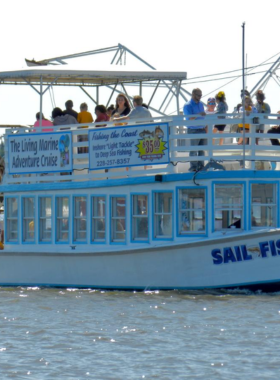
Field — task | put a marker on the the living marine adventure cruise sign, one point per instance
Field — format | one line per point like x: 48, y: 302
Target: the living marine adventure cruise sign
x: 40, y: 153
x: 125, y: 146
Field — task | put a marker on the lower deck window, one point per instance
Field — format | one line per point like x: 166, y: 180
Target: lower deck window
x: 140, y: 217
x: 118, y: 219
x: 263, y: 205
x: 45, y: 219
x: 163, y: 215
x: 80, y: 219
x: 11, y: 211
x: 62, y: 219
x: 228, y: 206
x: 28, y: 219
x: 98, y: 225
x: 191, y: 211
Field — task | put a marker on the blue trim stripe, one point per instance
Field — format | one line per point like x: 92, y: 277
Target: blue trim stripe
x: 221, y: 175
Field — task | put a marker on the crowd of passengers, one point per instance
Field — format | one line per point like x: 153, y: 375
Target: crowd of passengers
x: 120, y: 111
x: 218, y: 105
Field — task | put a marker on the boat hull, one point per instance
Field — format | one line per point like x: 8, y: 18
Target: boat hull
x: 244, y: 261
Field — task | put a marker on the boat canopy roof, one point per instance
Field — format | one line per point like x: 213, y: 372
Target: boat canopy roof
x: 62, y: 76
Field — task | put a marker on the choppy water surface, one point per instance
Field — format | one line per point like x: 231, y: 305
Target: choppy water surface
x: 87, y: 334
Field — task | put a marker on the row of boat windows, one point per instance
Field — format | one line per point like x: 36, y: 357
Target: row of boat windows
x: 88, y: 217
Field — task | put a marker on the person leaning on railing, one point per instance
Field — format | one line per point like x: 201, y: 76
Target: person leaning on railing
x: 275, y: 129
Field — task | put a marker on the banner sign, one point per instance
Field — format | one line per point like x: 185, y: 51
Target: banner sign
x: 125, y: 146
x: 40, y: 153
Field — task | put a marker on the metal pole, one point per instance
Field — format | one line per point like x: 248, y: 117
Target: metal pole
x: 41, y: 99
x: 243, y: 87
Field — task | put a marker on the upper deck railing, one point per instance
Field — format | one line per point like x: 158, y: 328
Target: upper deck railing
x: 259, y: 156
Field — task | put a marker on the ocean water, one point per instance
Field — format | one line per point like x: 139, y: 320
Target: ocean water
x: 92, y: 334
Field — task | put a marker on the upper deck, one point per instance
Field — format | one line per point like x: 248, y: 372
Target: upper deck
x: 132, y: 149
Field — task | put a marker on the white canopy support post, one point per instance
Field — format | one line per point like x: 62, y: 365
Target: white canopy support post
x: 112, y: 93
x: 177, y: 97
x: 153, y: 94
x: 41, y: 99
x: 88, y: 94
x: 97, y: 94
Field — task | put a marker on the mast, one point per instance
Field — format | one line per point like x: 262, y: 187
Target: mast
x: 243, y: 88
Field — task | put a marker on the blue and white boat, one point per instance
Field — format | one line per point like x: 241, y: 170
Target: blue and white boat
x: 129, y: 215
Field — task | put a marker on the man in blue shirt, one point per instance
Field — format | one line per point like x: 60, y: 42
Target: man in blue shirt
x: 195, y: 107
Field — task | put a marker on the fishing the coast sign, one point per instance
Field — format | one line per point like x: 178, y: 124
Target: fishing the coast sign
x: 125, y: 146
x: 40, y: 153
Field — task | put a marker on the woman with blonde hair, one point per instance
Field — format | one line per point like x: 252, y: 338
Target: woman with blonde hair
x: 222, y: 108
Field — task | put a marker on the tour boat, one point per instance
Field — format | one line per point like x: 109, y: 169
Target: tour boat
x: 130, y: 215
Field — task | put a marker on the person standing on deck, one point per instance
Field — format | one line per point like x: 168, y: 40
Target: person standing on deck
x: 261, y: 107
x: 222, y: 108
x: 195, y: 107
x: 84, y: 117
x: 69, y: 109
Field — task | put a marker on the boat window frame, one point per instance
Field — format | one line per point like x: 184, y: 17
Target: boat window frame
x: 92, y: 218
x: 132, y: 216
x: 168, y: 237
x: 57, y: 197
x: 112, y: 218
x: 276, y: 192
x: 15, y: 217
x: 40, y: 197
x: 191, y: 233
x: 76, y: 218
x: 244, y: 204
x: 24, y: 218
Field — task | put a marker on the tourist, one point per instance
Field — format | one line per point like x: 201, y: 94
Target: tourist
x: 110, y: 109
x: 59, y: 118
x: 122, y: 107
x: 222, y: 108
x: 275, y: 129
x: 69, y: 109
x: 249, y: 109
x: 138, y: 112
x: 101, y: 113
x: 211, y: 105
x: 195, y: 107
x: 44, y: 123
x: 84, y: 117
x: 246, y: 93
x: 261, y: 107
x: 210, y: 110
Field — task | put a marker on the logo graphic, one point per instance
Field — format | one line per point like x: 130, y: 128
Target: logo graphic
x: 64, y: 142
x: 151, y: 145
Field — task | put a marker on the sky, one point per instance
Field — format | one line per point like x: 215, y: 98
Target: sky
x: 200, y: 38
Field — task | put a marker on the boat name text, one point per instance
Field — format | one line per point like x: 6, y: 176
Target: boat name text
x: 243, y: 253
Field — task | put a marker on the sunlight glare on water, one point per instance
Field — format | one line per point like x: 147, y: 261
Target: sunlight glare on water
x: 78, y: 334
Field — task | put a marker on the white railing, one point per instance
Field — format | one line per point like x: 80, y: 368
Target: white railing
x: 231, y: 155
